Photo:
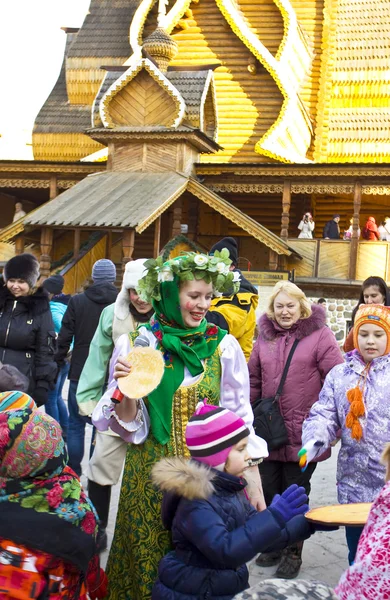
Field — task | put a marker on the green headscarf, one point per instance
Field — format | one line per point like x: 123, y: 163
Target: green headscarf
x: 184, y: 347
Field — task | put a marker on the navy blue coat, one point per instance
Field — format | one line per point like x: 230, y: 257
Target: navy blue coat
x: 214, y: 536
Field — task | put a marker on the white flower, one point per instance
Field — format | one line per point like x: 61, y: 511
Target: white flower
x: 222, y: 268
x: 165, y: 274
x: 200, y: 260
x: 236, y: 277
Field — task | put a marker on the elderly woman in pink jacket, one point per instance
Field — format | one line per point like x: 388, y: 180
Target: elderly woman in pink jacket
x: 289, y: 317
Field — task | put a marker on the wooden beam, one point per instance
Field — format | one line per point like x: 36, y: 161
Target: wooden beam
x: 46, y: 246
x: 157, y: 237
x: 273, y: 260
x: 19, y: 244
x: 286, y: 205
x: 53, y: 187
x: 127, y: 246
x: 76, y: 243
x: 109, y: 244
x: 177, y: 217
x: 357, y: 200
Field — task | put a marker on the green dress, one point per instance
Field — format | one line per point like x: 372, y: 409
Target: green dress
x: 140, y: 541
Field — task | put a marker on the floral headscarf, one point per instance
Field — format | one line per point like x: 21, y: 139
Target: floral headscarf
x: 42, y: 503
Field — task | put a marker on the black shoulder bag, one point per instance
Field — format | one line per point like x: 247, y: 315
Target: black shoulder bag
x: 268, y: 421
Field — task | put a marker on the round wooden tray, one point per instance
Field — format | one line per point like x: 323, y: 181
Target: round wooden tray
x: 351, y: 515
x: 146, y: 373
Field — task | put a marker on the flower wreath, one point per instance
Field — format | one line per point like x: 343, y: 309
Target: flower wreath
x: 212, y: 269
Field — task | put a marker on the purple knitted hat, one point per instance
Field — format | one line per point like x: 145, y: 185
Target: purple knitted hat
x: 212, y: 432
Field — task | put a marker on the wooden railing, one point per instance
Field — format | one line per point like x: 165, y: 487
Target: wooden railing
x: 330, y: 259
x: 78, y: 271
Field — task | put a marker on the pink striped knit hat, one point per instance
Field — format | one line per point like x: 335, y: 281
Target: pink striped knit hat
x: 212, y: 432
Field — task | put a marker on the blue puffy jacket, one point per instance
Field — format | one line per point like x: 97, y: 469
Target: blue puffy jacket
x: 215, y: 531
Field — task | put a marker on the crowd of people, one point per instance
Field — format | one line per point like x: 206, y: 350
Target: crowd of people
x: 202, y: 492
x: 371, y: 232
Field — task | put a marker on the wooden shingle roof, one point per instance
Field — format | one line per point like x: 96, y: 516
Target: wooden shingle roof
x: 105, y: 31
x: 130, y: 199
x: 354, y: 98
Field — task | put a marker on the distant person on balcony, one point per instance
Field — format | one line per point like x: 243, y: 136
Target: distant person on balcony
x: 79, y: 324
x: 384, y: 230
x: 236, y: 313
x: 374, y: 290
x: 332, y: 229
x: 19, y: 212
x: 306, y: 227
x: 370, y: 231
x: 348, y: 232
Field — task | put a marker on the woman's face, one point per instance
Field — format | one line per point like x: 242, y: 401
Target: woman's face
x: 372, y: 295
x: 195, y: 299
x: 372, y: 341
x: 287, y: 310
x: 140, y: 306
x: 18, y: 287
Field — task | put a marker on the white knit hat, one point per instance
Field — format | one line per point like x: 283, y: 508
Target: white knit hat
x: 134, y: 270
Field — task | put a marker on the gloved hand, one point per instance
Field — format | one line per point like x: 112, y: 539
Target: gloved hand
x: 40, y: 395
x: 97, y: 584
x: 291, y: 503
x: 308, y: 452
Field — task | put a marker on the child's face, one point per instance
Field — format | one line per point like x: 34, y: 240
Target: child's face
x: 372, y: 341
x: 238, y: 459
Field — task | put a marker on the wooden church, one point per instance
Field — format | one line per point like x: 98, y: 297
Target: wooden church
x: 214, y: 118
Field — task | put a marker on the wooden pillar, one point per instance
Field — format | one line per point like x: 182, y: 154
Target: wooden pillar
x: 193, y: 215
x: 19, y: 244
x: 109, y: 244
x: 286, y: 205
x: 273, y: 260
x: 53, y: 187
x: 357, y: 200
x: 46, y: 246
x: 76, y: 243
x: 157, y: 237
x: 127, y: 246
x: 177, y: 216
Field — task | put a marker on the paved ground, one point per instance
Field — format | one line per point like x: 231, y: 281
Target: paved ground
x: 324, y: 555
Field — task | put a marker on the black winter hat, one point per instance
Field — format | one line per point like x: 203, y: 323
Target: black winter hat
x: 22, y: 266
x: 229, y: 243
x: 54, y: 284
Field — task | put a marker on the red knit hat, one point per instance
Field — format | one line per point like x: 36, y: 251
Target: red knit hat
x: 212, y: 432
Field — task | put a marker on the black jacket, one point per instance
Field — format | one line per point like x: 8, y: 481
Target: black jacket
x: 331, y: 230
x: 27, y: 336
x: 80, y: 322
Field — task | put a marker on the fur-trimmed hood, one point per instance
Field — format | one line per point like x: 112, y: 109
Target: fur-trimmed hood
x: 35, y: 304
x: 181, y: 478
x: 269, y: 329
x: 184, y: 477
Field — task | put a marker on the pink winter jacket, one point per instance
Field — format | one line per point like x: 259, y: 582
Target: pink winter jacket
x: 316, y: 354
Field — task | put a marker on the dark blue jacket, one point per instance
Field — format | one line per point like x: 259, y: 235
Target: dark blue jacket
x: 215, y: 531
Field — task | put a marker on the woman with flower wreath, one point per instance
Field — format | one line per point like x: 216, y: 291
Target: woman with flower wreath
x: 201, y: 361
x: 48, y: 526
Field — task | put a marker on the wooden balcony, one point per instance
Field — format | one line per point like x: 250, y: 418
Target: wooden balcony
x: 331, y: 260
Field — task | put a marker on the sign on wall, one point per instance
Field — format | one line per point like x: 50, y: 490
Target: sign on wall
x: 268, y: 278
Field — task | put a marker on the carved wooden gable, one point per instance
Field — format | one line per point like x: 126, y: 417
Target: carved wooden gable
x: 142, y: 97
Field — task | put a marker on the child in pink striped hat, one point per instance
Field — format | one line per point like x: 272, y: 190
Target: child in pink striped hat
x: 215, y: 530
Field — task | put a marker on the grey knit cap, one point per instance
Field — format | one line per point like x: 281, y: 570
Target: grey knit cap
x: 103, y: 270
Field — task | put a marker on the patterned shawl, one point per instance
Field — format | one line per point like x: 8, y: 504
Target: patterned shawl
x: 42, y: 503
